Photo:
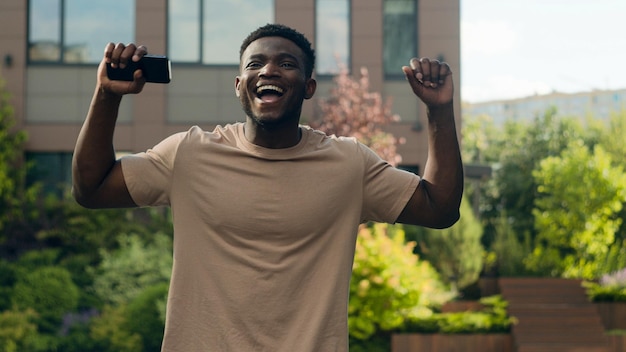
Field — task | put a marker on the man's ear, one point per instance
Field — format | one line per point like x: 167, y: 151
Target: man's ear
x: 237, y: 83
x: 311, y: 86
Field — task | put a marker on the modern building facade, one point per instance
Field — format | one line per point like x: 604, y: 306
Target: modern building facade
x: 49, y: 51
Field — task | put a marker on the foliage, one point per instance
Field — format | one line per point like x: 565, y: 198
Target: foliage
x: 145, y: 316
x: 110, y: 334
x: 581, y: 194
x: 15, y: 196
x: 515, y: 152
x: 137, y: 264
x: 352, y: 110
x: 389, y: 284
x: 455, y: 252
x: 48, y: 290
x: 17, y: 330
x: 610, y: 288
x: 509, y: 251
x: 493, y: 318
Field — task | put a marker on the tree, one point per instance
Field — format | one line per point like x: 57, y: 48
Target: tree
x: 15, y: 196
x: 48, y: 290
x: 456, y: 252
x: 124, y: 273
x: 581, y: 194
x: 352, y: 110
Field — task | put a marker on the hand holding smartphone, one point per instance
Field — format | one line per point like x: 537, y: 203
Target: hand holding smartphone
x: 155, y: 69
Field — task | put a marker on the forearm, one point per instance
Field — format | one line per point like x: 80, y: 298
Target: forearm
x: 443, y: 171
x: 94, y: 155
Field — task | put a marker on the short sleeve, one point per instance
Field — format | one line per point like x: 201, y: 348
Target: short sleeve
x: 386, y: 189
x: 148, y: 175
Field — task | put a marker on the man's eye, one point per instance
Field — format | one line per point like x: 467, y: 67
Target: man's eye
x: 288, y: 64
x: 253, y: 65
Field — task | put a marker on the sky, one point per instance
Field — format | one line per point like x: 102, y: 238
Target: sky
x: 517, y: 48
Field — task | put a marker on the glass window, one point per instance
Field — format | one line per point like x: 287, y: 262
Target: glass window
x: 52, y: 170
x: 76, y: 31
x: 211, y: 31
x: 332, y: 33
x: 399, y: 35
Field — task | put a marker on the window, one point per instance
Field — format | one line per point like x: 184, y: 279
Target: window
x: 211, y: 31
x: 332, y: 33
x: 399, y: 35
x: 52, y: 170
x: 76, y: 31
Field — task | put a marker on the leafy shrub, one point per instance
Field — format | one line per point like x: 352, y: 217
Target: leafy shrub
x: 48, y: 290
x: 610, y: 288
x: 389, y: 284
x: 493, y: 318
x: 126, y: 272
x: 17, y: 330
x: 145, y: 316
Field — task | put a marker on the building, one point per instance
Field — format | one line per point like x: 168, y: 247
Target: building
x: 49, y: 50
x: 599, y: 104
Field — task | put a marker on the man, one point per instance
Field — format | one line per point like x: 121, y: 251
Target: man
x: 266, y: 212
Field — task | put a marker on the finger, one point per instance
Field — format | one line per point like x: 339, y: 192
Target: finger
x: 139, y: 53
x: 425, y: 66
x: 127, y: 54
x: 444, y: 72
x: 415, y: 66
x: 116, y: 53
x: 108, y: 51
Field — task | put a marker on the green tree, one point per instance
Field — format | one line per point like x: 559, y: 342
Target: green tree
x: 456, y: 252
x: 18, y: 330
x: 16, y: 199
x: 124, y: 273
x: 49, y: 291
x: 576, y: 214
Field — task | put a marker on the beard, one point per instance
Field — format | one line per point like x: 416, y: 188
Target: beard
x: 274, y: 122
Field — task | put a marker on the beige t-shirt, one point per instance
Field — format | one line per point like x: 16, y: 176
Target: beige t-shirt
x: 263, y: 238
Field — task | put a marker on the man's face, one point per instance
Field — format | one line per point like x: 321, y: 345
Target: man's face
x: 272, y: 83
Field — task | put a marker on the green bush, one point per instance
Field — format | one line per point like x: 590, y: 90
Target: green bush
x: 145, y: 316
x: 493, y: 318
x: 610, y: 288
x: 17, y: 330
x: 389, y: 284
x: 48, y: 290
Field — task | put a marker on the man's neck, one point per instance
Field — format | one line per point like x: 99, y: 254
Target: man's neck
x: 272, y: 136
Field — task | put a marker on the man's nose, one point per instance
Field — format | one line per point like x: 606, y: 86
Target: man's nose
x: 269, y: 70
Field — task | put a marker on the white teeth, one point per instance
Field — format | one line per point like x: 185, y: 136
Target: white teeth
x: 269, y: 87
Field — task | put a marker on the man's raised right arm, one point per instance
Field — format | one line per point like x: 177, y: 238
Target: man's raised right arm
x: 97, y: 179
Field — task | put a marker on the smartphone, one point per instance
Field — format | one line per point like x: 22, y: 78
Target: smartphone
x: 155, y: 68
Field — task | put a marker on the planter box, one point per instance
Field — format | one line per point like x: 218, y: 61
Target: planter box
x: 452, y: 342
x: 613, y: 314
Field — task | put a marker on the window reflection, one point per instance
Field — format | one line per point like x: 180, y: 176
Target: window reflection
x: 211, y: 31
x: 184, y: 30
x: 44, y: 30
x: 399, y: 34
x: 332, y: 45
x: 87, y: 26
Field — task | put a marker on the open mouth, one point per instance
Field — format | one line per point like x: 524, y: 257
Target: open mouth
x: 269, y: 93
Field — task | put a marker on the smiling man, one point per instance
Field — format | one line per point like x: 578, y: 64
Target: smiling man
x: 266, y: 212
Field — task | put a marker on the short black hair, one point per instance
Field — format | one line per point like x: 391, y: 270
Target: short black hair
x: 279, y: 30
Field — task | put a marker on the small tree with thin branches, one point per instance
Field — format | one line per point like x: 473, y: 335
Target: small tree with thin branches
x: 351, y: 110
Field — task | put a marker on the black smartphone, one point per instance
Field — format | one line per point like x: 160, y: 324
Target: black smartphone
x: 155, y: 68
